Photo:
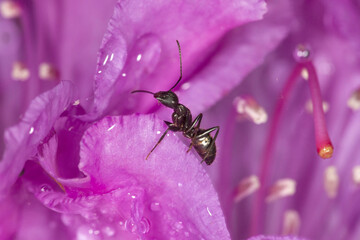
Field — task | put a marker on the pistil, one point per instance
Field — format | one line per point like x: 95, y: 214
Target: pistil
x: 306, y: 70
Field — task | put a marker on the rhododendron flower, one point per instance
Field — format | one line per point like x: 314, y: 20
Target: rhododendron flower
x: 270, y: 75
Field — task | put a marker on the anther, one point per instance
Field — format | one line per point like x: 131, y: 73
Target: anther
x: 356, y: 175
x: 47, y: 71
x: 309, y: 106
x: 10, y: 9
x: 292, y: 222
x: 331, y: 181
x: 354, y: 100
x: 282, y: 188
x: 246, y: 187
x: 20, y: 72
x: 248, y: 108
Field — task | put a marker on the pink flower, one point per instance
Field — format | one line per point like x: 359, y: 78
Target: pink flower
x: 91, y: 178
x: 70, y: 172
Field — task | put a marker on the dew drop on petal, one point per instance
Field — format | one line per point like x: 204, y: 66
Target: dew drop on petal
x: 31, y: 131
x: 45, y: 188
x: 144, y: 225
x: 178, y: 225
x: 130, y: 225
x: 208, y: 210
x: 185, y: 86
x: 109, y: 231
x: 302, y: 53
x: 155, y: 206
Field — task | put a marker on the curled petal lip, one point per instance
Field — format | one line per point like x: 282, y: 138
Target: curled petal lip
x: 23, y: 139
x: 169, y: 189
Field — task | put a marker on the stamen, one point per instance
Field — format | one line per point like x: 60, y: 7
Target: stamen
x: 10, y: 9
x: 309, y: 106
x: 246, y: 187
x: 292, y: 222
x: 356, y: 175
x: 20, y: 72
x: 331, y: 181
x: 248, y: 108
x: 47, y: 71
x: 282, y: 188
x: 324, y: 146
x: 354, y: 100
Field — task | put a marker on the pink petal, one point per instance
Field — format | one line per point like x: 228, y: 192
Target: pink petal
x: 23, y: 139
x: 139, y: 49
x: 169, y: 194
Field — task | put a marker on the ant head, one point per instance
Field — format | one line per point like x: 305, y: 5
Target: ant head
x: 168, y: 98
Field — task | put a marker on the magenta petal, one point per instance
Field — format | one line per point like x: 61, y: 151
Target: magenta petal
x: 139, y: 49
x: 275, y: 238
x: 21, y: 141
x: 168, y: 194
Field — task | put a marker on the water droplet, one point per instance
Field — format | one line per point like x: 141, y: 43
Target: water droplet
x: 144, y: 225
x: 124, y: 74
x: 158, y: 132
x: 155, y: 206
x: 138, y: 58
x: 31, y: 131
x: 109, y: 231
x: 45, y: 188
x: 179, y: 225
x: 302, y: 53
x: 208, y: 210
x: 110, y: 128
x: 180, y: 184
x: 130, y: 225
x: 185, y: 86
x: 91, y: 231
x: 112, y: 59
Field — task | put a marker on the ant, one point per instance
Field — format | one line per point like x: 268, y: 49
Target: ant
x: 203, y: 143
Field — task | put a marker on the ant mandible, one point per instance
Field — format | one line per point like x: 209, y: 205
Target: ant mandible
x: 201, y: 139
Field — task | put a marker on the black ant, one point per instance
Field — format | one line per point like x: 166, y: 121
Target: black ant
x: 203, y: 143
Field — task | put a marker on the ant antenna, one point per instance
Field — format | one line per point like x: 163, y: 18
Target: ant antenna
x: 180, y: 67
x: 144, y: 91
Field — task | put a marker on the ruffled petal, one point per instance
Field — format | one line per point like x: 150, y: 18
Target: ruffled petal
x: 275, y: 238
x: 23, y: 139
x: 168, y: 194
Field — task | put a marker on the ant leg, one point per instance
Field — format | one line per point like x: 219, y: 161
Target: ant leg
x: 161, y: 138
x: 195, y: 123
x: 190, y: 146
